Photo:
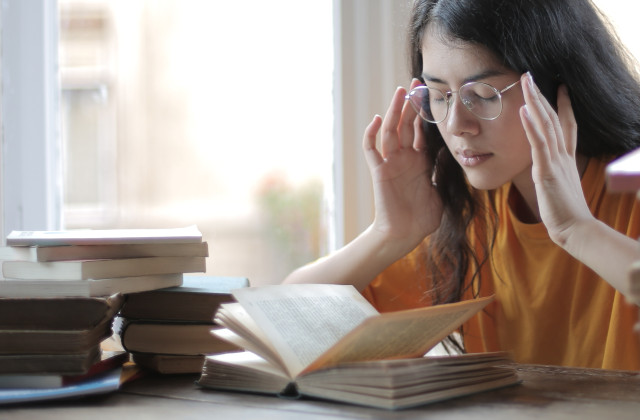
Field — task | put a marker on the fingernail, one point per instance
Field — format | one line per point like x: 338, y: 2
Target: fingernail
x: 530, y: 79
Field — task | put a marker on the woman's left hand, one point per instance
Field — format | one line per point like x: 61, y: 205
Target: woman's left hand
x: 553, y: 139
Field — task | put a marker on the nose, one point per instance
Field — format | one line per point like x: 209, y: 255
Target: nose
x: 460, y: 120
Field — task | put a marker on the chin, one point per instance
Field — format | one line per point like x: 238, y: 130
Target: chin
x: 485, y: 182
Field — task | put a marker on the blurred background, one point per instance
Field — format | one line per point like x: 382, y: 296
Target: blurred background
x: 221, y: 114
x: 215, y: 113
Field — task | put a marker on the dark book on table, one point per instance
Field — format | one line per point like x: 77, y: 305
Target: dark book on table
x: 169, y: 363
x: 108, y: 360
x: 57, y: 341
x: 61, y: 313
x: 65, y: 364
x: 197, y: 299
x: 186, y: 338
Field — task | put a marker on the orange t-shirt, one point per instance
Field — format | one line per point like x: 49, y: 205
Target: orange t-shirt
x: 549, y: 307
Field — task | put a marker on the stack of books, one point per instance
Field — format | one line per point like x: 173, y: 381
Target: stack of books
x: 53, y: 342
x: 99, y: 262
x: 60, y: 292
x: 169, y: 330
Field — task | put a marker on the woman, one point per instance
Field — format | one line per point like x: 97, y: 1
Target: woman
x: 490, y: 180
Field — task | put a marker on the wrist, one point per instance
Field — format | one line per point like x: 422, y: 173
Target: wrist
x: 388, y: 247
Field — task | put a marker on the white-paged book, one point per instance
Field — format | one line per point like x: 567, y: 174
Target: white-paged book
x: 104, y: 236
x: 97, y: 252
x: 87, y: 288
x: 101, y: 269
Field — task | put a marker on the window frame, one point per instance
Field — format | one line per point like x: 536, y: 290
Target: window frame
x: 30, y: 173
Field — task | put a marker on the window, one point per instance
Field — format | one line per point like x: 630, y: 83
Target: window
x: 196, y: 112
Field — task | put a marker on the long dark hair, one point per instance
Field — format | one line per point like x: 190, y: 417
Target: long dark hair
x: 559, y: 42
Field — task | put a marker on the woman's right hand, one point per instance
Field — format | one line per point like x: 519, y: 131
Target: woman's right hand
x: 407, y: 206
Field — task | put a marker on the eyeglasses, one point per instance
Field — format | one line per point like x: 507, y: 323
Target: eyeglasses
x: 483, y: 100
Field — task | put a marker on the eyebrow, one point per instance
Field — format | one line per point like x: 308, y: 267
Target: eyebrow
x: 474, y: 78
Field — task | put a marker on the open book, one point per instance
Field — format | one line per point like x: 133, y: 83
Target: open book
x: 327, y: 341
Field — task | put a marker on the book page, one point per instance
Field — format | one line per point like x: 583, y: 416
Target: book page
x: 303, y: 320
x: 402, y: 334
x: 243, y: 331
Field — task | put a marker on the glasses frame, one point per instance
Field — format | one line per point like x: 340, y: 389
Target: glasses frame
x: 449, y: 94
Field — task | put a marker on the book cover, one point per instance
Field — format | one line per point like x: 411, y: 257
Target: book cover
x: 171, y: 338
x: 65, y: 364
x: 197, y: 299
x: 86, y: 288
x: 101, y: 269
x: 98, y: 252
x: 109, y: 360
x: 101, y: 384
x: 623, y: 174
x: 169, y: 363
x: 104, y: 236
x: 61, y: 313
x: 40, y: 341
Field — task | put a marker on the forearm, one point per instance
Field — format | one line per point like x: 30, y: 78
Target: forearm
x: 606, y: 251
x: 357, y: 263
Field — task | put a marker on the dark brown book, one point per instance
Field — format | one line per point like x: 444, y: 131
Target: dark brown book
x: 197, y: 299
x: 53, y: 341
x: 65, y: 364
x: 171, y: 338
x: 169, y: 363
x: 108, y: 360
x: 60, y: 313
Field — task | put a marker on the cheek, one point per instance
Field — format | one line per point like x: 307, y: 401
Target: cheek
x: 511, y: 133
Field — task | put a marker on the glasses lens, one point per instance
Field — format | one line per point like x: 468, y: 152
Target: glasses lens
x: 430, y: 104
x: 481, y: 99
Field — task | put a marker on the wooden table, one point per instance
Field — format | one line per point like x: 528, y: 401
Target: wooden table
x: 545, y: 393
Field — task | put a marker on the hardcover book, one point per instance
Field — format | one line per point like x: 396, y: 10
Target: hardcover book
x: 99, y: 252
x: 169, y: 363
x: 101, y: 269
x: 109, y: 360
x: 62, y: 313
x: 171, y: 338
x: 197, y: 299
x: 104, y: 236
x: 38, y: 341
x: 64, y: 364
x: 86, y: 288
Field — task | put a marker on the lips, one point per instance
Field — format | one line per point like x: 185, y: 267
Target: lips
x: 471, y: 158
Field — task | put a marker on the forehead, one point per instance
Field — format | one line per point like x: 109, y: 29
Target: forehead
x: 446, y: 58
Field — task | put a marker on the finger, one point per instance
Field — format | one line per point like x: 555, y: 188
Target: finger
x: 542, y: 115
x: 567, y: 120
x: 390, y: 142
x: 406, y: 130
x: 371, y: 153
x: 419, y: 139
x: 539, y: 148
